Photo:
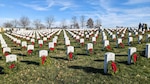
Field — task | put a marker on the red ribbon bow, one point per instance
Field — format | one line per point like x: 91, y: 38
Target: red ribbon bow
x: 6, y: 53
x: 51, y: 49
x: 32, y: 43
x: 82, y: 44
x: 12, y: 66
x: 41, y: 45
x: 134, y: 57
x: 43, y: 59
x: 29, y: 51
x: 24, y: 47
x: 122, y: 45
x: 70, y: 55
x: 114, y: 67
x: 55, y: 44
x: 108, y: 47
x: 90, y: 50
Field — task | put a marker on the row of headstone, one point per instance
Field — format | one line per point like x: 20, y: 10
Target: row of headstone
x: 89, y: 46
x: 109, y: 56
x: 7, y: 50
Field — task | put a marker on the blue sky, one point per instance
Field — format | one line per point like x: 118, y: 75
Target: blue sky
x: 111, y: 12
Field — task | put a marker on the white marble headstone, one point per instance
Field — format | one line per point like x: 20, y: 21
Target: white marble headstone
x: 77, y: 37
x: 87, y: 36
x: 11, y: 58
x: 81, y: 40
x: 24, y: 44
x: 136, y: 33
x: 129, y: 34
x: 3, y: 45
x: 54, y: 40
x: 43, y: 53
x: 131, y: 50
x: 40, y: 41
x: 93, y: 39
x: 106, y: 43
x: 140, y: 38
x: 51, y: 44
x: 148, y: 37
x: 109, y: 56
x: 30, y: 47
x: 113, y: 36
x: 104, y: 37
x: 28, y: 38
x: 6, y: 49
x: 18, y: 41
x: 147, y: 51
x: 32, y: 40
x: 44, y: 39
x: 119, y: 40
x: 89, y: 46
x: 130, y: 39
x: 122, y: 35
x: 70, y: 49
x: 67, y: 42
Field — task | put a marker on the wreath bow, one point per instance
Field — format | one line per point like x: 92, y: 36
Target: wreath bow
x: 114, y: 67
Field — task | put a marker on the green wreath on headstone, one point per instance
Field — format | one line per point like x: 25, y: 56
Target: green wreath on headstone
x: 11, y: 67
x: 45, y: 60
x: 135, y: 57
x: 113, y: 67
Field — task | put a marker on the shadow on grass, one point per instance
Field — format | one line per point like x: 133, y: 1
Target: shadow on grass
x: 18, y: 49
x: 19, y: 54
x: 123, y: 62
x: 121, y: 55
x: 89, y: 69
x: 1, y: 70
x: 30, y: 62
x: 99, y: 60
x: 142, y: 53
x: 83, y: 54
x: 1, y: 57
x: 61, y: 49
x: 60, y: 58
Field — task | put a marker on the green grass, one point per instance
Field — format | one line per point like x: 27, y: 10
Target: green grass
x: 85, y: 69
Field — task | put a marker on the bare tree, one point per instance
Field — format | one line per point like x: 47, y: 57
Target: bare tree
x: 24, y: 21
x: 14, y: 23
x: 77, y: 25
x: 50, y: 20
x: 42, y: 26
x: 37, y: 23
x: 74, y: 21
x: 7, y: 24
x: 63, y: 23
x: 90, y: 23
x: 98, y: 22
x: 82, y: 20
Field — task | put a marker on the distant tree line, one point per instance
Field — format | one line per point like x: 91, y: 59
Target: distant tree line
x: 25, y: 22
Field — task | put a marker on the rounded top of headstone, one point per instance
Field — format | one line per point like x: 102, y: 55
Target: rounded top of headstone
x: 109, y: 53
x: 131, y: 47
x: 147, y: 43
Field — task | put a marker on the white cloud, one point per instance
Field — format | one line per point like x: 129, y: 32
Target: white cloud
x: 50, y: 3
x: 46, y: 5
x: 112, y: 16
x: 35, y: 7
x: 63, y: 8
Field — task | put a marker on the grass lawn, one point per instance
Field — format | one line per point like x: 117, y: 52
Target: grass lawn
x: 84, y: 69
